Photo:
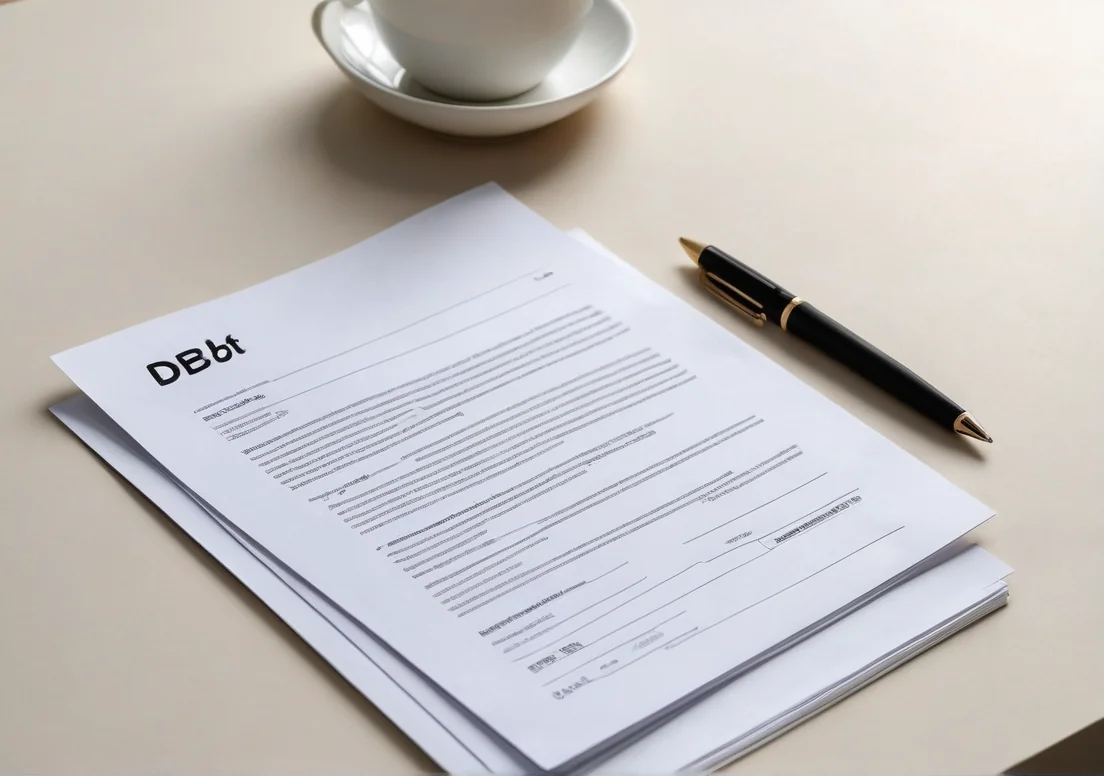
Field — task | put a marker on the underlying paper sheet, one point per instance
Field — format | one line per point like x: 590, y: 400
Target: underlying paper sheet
x: 442, y: 731
x: 471, y: 431
x: 742, y: 714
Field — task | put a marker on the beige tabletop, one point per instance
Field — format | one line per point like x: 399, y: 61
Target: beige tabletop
x: 931, y: 173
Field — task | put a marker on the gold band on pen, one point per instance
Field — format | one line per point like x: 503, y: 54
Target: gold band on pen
x: 786, y: 313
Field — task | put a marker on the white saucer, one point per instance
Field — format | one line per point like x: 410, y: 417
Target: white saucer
x: 348, y: 34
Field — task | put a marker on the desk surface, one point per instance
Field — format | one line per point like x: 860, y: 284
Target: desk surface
x: 916, y: 168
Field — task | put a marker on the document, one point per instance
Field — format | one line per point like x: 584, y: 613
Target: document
x: 566, y: 498
x: 739, y: 717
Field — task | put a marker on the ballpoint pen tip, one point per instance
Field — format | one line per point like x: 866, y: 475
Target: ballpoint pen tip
x: 693, y: 248
x: 966, y: 425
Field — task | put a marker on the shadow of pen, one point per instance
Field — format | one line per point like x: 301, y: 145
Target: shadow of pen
x: 853, y: 383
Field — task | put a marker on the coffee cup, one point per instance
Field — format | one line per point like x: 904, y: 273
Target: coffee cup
x: 479, y: 50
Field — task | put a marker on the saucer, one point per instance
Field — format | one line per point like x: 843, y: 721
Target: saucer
x: 348, y: 34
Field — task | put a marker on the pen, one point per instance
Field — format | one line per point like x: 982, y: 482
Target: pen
x: 761, y: 300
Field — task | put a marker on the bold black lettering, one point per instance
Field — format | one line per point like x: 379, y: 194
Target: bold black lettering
x: 221, y: 353
x: 234, y: 344
x: 190, y: 357
x: 174, y: 372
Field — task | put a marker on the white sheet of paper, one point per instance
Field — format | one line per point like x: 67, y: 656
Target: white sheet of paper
x: 472, y: 430
x: 743, y: 714
x: 443, y: 732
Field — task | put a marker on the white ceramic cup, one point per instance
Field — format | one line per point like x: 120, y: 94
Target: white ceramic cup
x: 479, y: 50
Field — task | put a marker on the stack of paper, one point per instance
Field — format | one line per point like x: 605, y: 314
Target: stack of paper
x: 539, y: 511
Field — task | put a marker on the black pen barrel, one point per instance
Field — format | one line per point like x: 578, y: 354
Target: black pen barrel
x: 814, y: 327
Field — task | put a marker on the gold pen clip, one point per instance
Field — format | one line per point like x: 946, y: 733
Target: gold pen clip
x: 711, y: 283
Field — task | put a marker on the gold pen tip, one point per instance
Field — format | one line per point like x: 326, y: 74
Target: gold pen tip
x: 966, y: 425
x: 693, y: 248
